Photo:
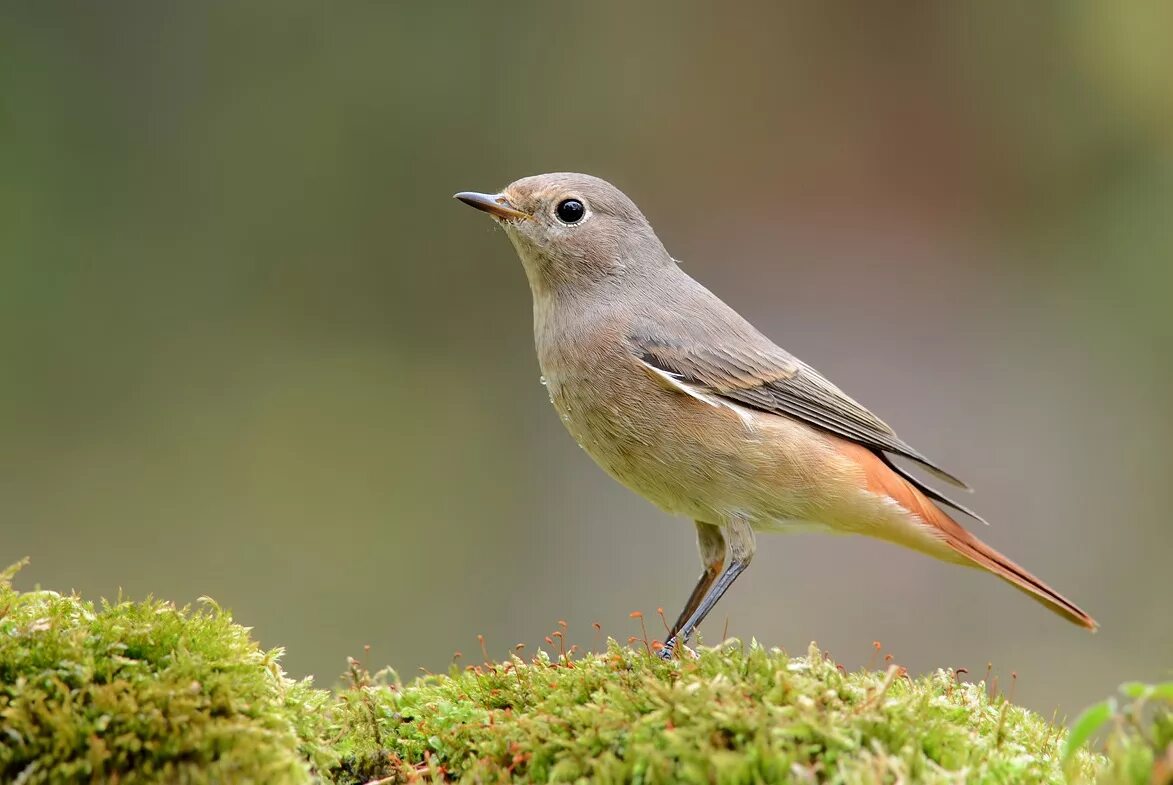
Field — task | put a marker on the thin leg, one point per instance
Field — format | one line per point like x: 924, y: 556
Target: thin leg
x: 742, y: 545
x: 711, y: 545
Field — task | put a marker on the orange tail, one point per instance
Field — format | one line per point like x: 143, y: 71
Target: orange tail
x: 883, y: 481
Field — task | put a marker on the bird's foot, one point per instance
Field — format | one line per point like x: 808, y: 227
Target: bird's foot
x: 668, y: 650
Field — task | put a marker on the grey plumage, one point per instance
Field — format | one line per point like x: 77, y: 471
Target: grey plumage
x: 678, y: 397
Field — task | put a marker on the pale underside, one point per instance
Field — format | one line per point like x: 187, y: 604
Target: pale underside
x: 775, y: 472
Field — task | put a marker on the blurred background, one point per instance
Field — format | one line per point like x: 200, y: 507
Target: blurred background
x: 252, y: 349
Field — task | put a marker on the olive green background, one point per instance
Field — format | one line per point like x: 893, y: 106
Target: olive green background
x: 252, y: 349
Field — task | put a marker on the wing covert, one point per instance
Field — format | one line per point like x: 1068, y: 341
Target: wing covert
x: 766, y: 378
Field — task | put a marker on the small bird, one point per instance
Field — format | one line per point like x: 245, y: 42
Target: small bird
x: 679, y: 398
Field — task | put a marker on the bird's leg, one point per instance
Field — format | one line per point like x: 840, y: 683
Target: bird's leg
x: 742, y: 544
x: 711, y: 545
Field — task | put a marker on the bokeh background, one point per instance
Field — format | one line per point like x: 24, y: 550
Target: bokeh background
x: 252, y: 349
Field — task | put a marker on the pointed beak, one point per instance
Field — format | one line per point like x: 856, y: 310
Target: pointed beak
x: 495, y: 205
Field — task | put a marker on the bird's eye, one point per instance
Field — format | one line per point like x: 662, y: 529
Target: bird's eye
x: 570, y: 211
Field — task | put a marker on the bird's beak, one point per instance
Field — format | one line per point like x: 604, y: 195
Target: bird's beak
x: 495, y: 205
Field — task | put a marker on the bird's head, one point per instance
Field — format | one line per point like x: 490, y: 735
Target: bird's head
x: 572, y: 231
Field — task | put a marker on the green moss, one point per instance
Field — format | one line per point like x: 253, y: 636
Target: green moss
x: 140, y: 692
x: 143, y: 692
x: 731, y: 716
x: 1139, y: 740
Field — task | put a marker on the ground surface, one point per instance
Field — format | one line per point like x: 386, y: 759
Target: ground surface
x: 144, y: 692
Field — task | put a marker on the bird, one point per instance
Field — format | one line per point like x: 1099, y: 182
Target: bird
x: 676, y: 396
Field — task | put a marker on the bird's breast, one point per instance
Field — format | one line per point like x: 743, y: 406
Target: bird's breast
x: 686, y: 456
x: 634, y: 430
x: 696, y: 460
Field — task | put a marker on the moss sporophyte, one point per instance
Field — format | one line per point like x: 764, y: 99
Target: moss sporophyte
x: 147, y: 692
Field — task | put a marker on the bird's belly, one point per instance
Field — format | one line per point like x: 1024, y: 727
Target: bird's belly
x: 791, y: 526
x: 703, y: 463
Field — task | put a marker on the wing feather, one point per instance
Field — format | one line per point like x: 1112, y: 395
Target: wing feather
x: 768, y: 379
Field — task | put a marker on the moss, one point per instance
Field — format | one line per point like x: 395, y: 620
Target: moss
x: 144, y: 692
x: 1139, y: 741
x: 734, y: 715
x: 139, y: 692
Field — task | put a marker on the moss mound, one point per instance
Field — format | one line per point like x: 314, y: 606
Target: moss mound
x: 732, y: 716
x: 143, y: 692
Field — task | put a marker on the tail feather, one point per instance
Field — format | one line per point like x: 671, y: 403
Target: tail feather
x: 882, y: 480
x: 986, y: 557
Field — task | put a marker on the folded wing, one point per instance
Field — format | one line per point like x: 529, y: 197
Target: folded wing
x: 766, y: 378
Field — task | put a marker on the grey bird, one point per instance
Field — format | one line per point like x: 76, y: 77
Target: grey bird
x: 679, y: 398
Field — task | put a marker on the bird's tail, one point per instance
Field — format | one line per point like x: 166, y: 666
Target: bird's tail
x: 961, y: 543
x: 987, y: 558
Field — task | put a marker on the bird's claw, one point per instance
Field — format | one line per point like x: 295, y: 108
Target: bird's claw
x: 668, y: 651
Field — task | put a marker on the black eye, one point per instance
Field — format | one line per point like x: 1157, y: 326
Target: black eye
x: 570, y: 211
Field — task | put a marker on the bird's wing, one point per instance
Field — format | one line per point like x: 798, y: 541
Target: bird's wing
x: 762, y: 376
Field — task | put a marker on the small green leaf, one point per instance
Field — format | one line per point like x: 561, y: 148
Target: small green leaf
x: 1091, y: 720
x: 1139, y: 691
x: 1164, y: 691
x: 1136, y: 690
